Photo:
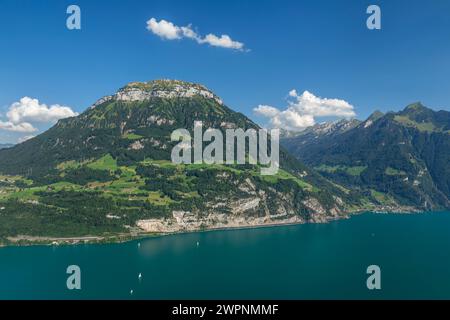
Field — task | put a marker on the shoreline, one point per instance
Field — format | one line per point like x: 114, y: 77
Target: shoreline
x: 26, y: 241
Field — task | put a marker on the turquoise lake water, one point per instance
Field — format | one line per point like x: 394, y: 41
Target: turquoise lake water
x: 311, y: 261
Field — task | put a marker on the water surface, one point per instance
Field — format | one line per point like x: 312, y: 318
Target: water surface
x: 311, y: 261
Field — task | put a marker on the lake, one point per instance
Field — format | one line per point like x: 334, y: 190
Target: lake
x: 310, y: 261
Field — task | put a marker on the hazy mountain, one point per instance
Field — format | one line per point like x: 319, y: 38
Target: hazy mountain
x: 108, y: 172
x: 311, y: 134
x: 403, y: 156
x: 5, y: 145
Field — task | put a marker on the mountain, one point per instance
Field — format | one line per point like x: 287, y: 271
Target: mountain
x: 375, y: 116
x: 5, y: 145
x: 311, y: 134
x: 108, y: 173
x: 401, y: 157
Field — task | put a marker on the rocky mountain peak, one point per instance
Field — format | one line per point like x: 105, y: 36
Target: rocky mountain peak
x: 372, y: 118
x: 416, y: 106
x: 415, y: 110
x: 377, y: 114
x: 332, y: 127
x: 164, y: 88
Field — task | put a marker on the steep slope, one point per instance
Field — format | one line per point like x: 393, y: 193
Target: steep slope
x: 402, y: 157
x: 108, y: 172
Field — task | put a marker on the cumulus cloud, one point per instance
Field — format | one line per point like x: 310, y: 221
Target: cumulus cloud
x: 189, y: 33
x: 303, y: 109
x: 27, y: 111
x: 20, y: 127
x: 169, y: 31
x: 164, y: 29
x: 287, y: 119
x: 30, y: 110
x: 293, y: 93
x: 223, y: 41
x: 266, y: 111
x: 24, y: 138
x: 308, y: 103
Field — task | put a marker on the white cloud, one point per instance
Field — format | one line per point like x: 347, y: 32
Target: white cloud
x: 302, y: 111
x: 293, y: 93
x: 30, y: 110
x: 308, y: 103
x: 189, y: 33
x: 266, y: 111
x: 287, y: 119
x: 24, y: 138
x: 20, y: 127
x: 22, y: 116
x: 164, y: 29
x: 224, y: 41
x: 169, y: 31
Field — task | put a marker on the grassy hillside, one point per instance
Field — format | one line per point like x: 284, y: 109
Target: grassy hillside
x: 108, y: 172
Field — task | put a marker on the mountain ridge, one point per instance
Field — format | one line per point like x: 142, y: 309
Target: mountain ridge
x: 402, y: 154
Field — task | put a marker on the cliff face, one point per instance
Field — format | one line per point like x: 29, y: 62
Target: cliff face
x: 166, y: 89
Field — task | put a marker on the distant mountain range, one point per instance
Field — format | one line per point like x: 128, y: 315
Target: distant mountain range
x: 108, y: 173
x: 5, y: 145
x: 401, y: 157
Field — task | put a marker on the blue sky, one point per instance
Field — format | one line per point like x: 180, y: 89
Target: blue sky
x: 323, y: 47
